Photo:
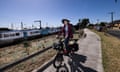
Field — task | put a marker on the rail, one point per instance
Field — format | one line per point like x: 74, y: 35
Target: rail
x: 8, y: 66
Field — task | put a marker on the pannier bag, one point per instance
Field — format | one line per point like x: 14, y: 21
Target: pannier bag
x: 73, y: 46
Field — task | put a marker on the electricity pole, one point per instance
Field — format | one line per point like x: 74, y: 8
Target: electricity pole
x: 115, y: 1
x: 79, y: 23
x: 21, y: 25
x: 47, y: 24
x: 39, y: 22
x: 97, y: 21
x: 112, y: 13
x: 12, y: 27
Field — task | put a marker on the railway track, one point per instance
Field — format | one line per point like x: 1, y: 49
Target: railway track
x: 21, y: 41
x: 16, y: 52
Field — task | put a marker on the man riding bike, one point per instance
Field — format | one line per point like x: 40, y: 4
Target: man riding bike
x: 67, y: 32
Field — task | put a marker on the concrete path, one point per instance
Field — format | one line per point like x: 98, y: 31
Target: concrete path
x: 87, y: 59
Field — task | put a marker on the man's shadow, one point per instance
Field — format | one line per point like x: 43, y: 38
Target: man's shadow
x: 76, y: 66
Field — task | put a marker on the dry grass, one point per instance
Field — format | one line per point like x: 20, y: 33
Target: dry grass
x: 13, y: 53
x: 33, y: 63
x: 110, y: 52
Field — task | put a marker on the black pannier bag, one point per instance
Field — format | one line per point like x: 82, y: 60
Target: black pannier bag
x: 74, y: 46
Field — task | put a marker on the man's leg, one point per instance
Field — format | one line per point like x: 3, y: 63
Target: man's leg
x: 66, y: 43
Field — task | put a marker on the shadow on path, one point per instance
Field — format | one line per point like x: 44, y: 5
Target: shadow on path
x: 76, y: 66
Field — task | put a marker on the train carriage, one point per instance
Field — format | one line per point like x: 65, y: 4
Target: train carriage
x: 30, y: 34
x: 44, y: 32
x: 14, y: 36
x: 7, y: 37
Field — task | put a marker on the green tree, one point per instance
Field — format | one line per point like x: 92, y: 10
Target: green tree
x: 103, y: 24
x: 84, y: 22
x: 77, y: 26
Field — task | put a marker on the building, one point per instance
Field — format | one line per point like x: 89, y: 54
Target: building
x: 116, y: 24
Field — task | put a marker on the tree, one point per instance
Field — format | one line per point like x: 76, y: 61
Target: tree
x: 102, y: 24
x: 77, y: 26
x: 91, y: 26
x: 84, y: 22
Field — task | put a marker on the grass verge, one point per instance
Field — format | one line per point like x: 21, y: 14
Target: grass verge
x: 110, y: 52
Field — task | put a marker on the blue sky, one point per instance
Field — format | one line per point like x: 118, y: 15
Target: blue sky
x: 52, y: 11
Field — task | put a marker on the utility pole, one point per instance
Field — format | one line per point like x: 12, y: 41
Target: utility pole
x: 32, y: 26
x: 22, y: 26
x: 79, y: 23
x: 97, y: 21
x: 39, y: 22
x: 112, y: 13
x: 12, y: 27
x: 47, y: 24
x: 115, y: 1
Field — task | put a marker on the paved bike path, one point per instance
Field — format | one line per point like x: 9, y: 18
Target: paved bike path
x: 87, y: 59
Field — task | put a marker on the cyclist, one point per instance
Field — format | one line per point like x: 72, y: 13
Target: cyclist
x: 67, y: 32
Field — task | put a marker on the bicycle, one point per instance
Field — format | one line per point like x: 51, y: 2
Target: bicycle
x: 60, y: 48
